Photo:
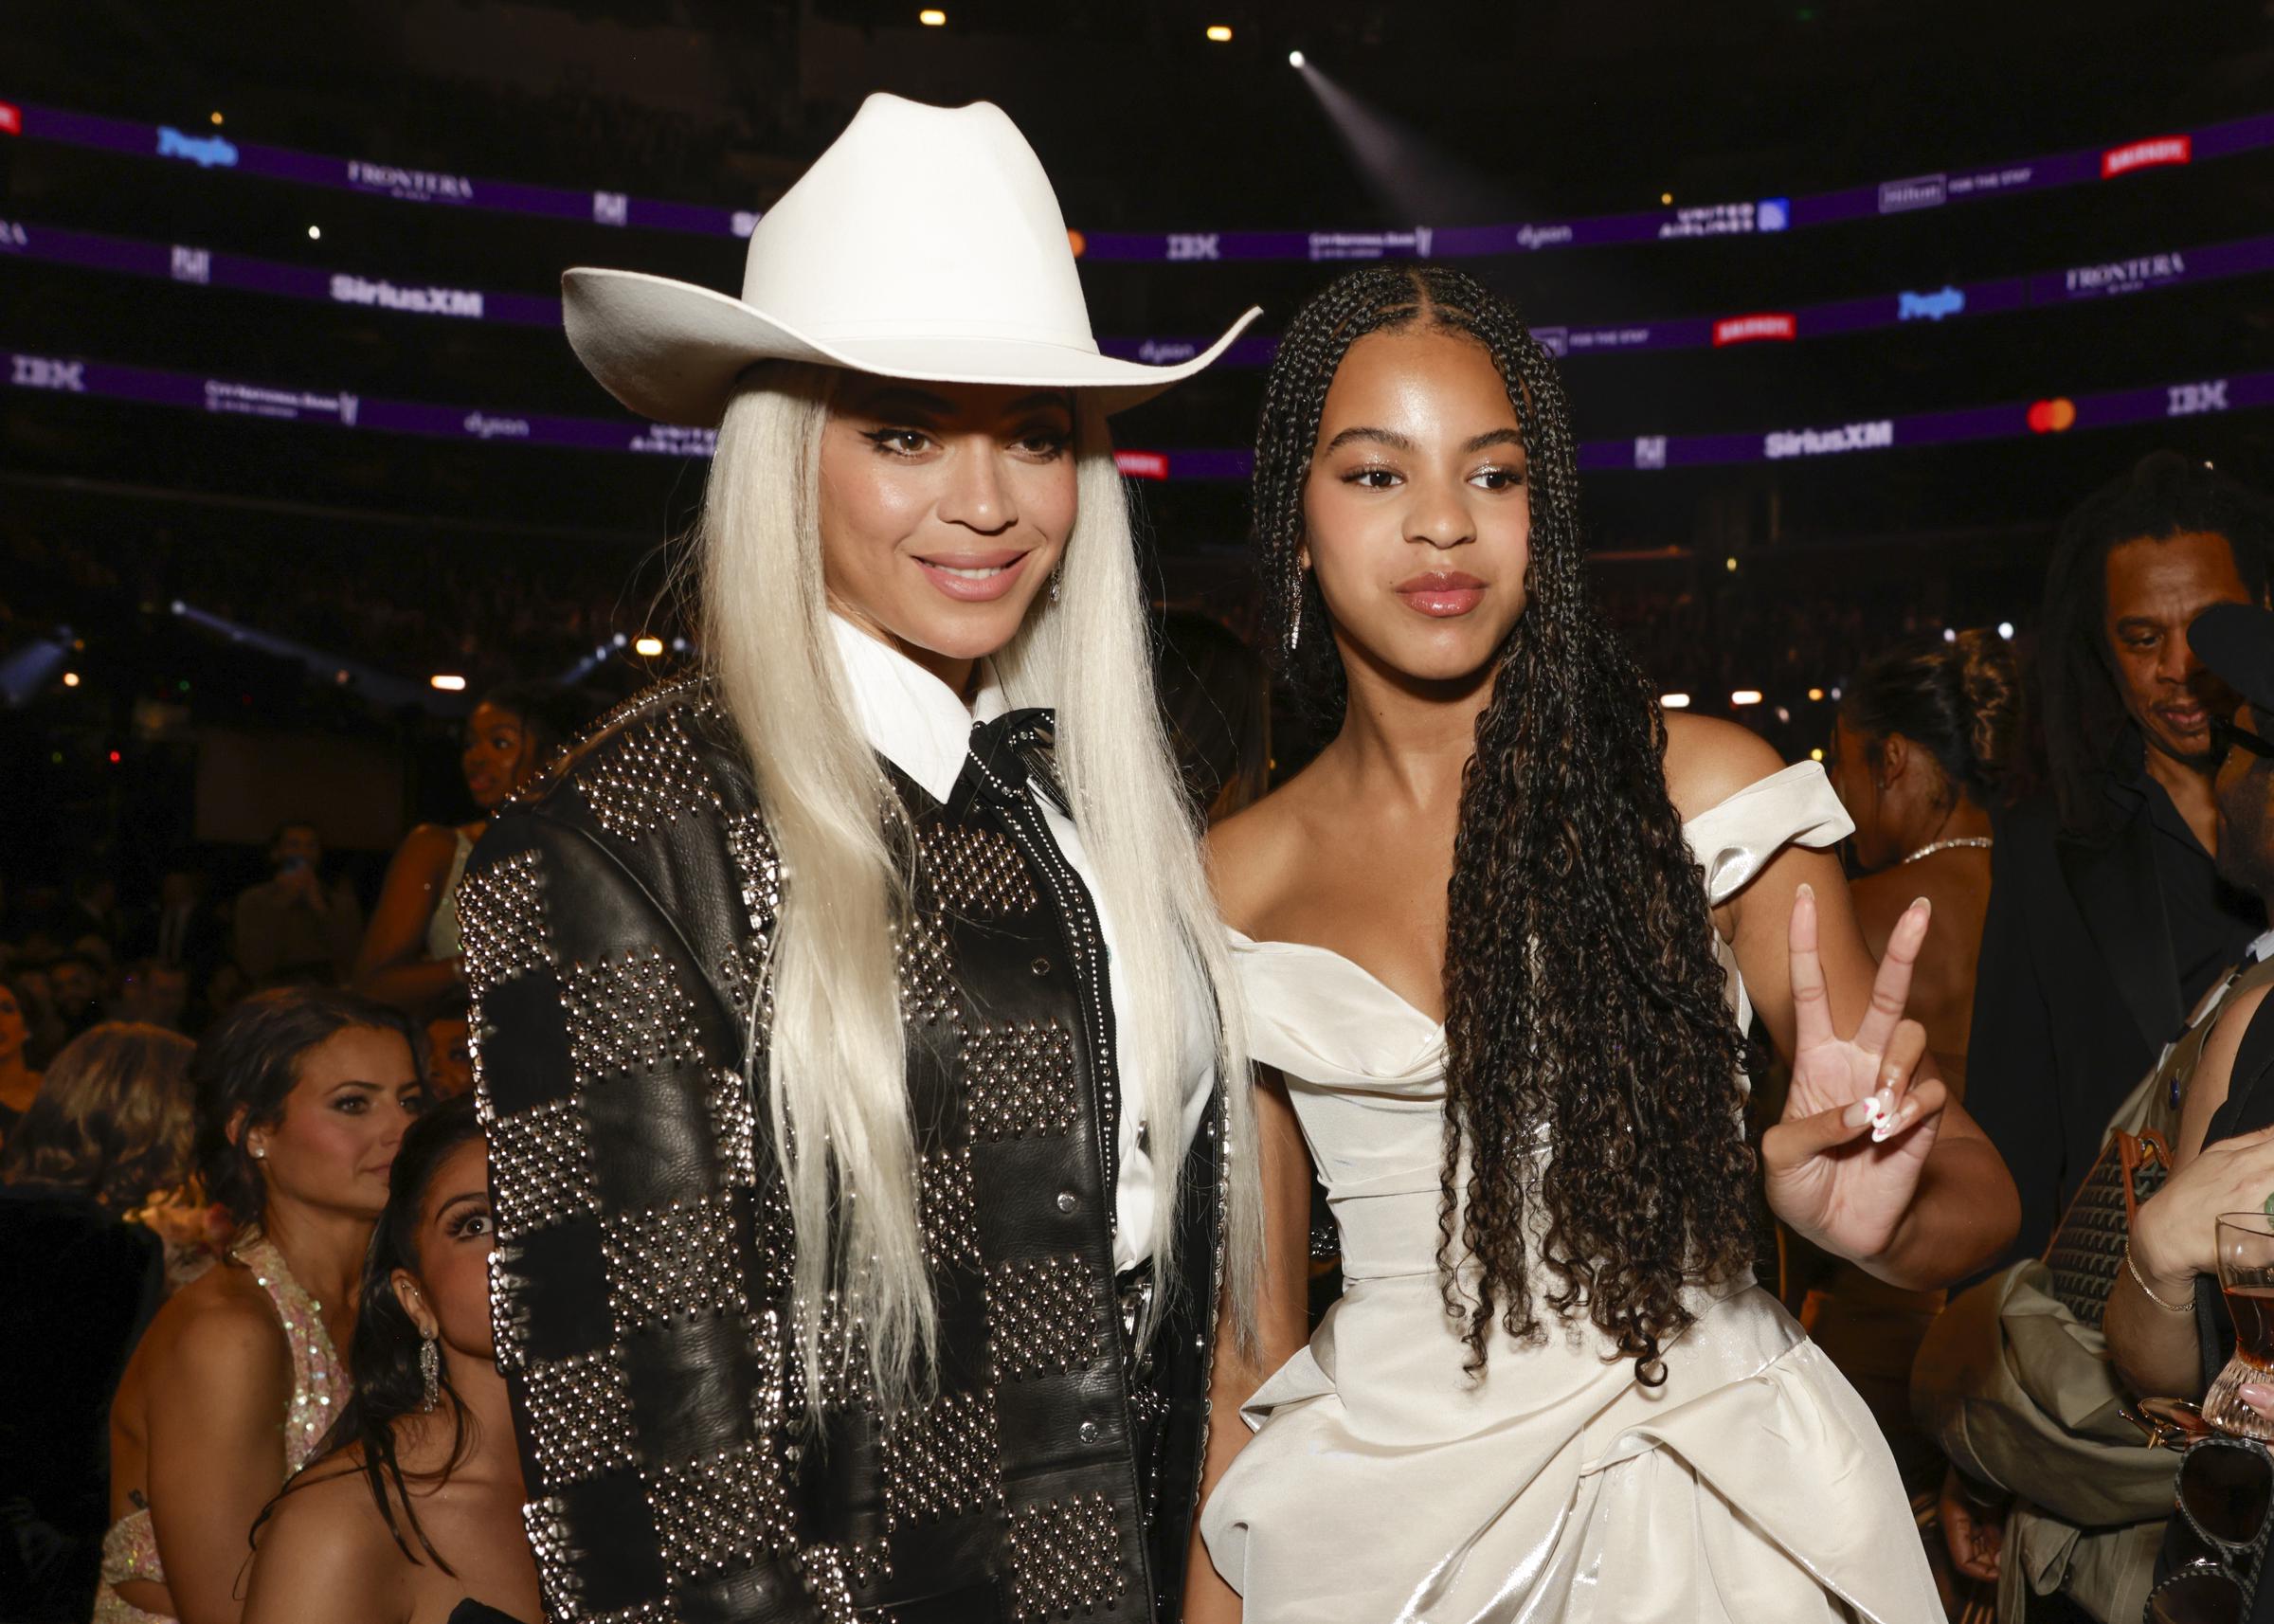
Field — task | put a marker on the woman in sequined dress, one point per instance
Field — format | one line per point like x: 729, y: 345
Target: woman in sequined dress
x: 302, y: 1097
x: 414, y: 1517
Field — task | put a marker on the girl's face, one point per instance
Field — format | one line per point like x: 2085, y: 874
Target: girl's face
x: 944, y: 509
x: 499, y: 755
x: 332, y: 1146
x: 1417, y: 511
x: 12, y: 1030
x: 450, y: 1295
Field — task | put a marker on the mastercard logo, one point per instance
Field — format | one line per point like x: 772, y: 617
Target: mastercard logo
x: 1076, y: 240
x: 2051, y: 417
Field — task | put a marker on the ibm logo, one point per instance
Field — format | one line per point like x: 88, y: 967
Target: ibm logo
x: 1192, y: 245
x: 193, y: 265
x: 1649, y: 451
x: 2193, y: 400
x: 611, y: 208
x: 39, y: 373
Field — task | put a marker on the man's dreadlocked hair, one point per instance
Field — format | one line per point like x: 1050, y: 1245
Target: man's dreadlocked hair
x: 1582, y: 985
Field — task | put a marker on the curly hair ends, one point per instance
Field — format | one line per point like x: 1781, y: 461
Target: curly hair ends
x: 1584, y: 998
x: 1958, y: 699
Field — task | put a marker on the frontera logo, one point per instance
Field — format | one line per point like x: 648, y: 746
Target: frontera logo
x: 412, y: 186
x: 1919, y: 191
x: 206, y: 152
x: 1752, y: 329
x: 1930, y: 306
x: 2147, y: 154
x: 2123, y: 276
x: 1194, y: 246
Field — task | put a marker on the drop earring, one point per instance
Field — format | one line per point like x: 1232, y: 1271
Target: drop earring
x: 430, y: 1372
x: 1054, y: 583
x: 1294, y: 612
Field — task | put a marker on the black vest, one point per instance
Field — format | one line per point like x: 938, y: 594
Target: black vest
x: 615, y: 923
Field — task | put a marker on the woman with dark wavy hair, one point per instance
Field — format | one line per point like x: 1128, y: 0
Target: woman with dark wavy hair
x: 414, y: 1515
x: 1509, y: 1011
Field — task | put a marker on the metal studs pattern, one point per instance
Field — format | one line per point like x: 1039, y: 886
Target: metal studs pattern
x: 823, y: 1569
x: 977, y: 873
x: 673, y: 1261
x: 866, y: 1562
x: 1020, y: 1080
x: 721, y: 1512
x: 509, y: 1319
x: 502, y: 921
x: 580, y: 1416
x: 662, y: 1612
x: 841, y: 1351
x: 1065, y: 1556
x: 540, y: 1168
x: 647, y: 777
x: 547, y: 1522
x: 757, y: 866
x: 941, y: 1460
x: 927, y: 991
x: 627, y: 1014
x: 735, y: 1127
x: 1041, y: 1316
x: 947, y: 1210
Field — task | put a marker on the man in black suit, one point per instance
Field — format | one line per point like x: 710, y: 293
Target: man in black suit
x: 2107, y: 918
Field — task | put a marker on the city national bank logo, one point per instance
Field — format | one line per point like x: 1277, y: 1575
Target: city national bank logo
x: 206, y: 152
x: 483, y: 426
x: 1754, y: 328
x: 1649, y: 451
x: 39, y: 373
x: 1930, y: 306
x: 1412, y: 245
x: 1875, y: 436
x: 2148, y: 154
x: 1194, y: 246
x: 412, y: 186
x: 349, y: 288
x: 2123, y: 276
x: 289, y: 405
x: 2193, y: 400
x: 1711, y: 220
x: 674, y: 440
x: 191, y: 265
x: 1919, y: 191
x: 1167, y: 352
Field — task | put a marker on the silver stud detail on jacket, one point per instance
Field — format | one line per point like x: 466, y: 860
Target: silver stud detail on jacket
x: 735, y: 1127
x: 822, y: 1567
x: 648, y: 776
x: 841, y: 1353
x: 1020, y: 1080
x: 941, y: 1460
x: 580, y: 1416
x: 977, y: 873
x: 758, y: 867
x: 540, y: 1168
x: 945, y: 1209
x: 509, y: 1315
x: 927, y: 991
x: 1041, y: 1317
x: 545, y: 1521
x: 627, y: 1014
x: 1065, y: 1556
x: 679, y: 1259
x: 502, y: 921
x: 721, y: 1512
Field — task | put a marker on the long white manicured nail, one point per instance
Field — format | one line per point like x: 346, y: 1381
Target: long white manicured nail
x: 1891, y: 1125
x: 1862, y: 1112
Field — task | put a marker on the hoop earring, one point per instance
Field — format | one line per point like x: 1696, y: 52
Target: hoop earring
x: 430, y: 1373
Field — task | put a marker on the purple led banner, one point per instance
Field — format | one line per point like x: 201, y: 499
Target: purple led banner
x: 1646, y: 453
x: 211, y: 149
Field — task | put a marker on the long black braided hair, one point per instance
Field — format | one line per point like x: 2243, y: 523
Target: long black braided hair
x: 1582, y: 990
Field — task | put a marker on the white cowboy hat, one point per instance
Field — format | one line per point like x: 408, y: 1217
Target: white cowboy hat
x: 924, y: 243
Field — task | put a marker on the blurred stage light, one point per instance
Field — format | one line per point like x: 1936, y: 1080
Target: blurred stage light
x: 1294, y: 59
x: 316, y: 233
x: 932, y: 18
x: 1816, y: 754
x: 648, y: 646
x: 447, y: 683
x: 1219, y: 33
x: 1666, y: 197
x: 1745, y: 696
x: 1949, y: 635
x: 1816, y: 694
x: 1730, y: 564
x: 2005, y: 629
x: 1675, y: 701
x: 216, y: 120
x: 70, y: 679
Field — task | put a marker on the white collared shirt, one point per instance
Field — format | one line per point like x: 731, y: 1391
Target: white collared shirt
x: 914, y: 721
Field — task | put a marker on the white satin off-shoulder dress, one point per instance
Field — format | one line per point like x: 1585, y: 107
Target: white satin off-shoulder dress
x: 1383, y: 1486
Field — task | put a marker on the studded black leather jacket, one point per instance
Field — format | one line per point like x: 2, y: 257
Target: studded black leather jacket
x: 614, y: 922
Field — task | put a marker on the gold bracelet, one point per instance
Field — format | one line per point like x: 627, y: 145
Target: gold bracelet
x: 2137, y: 1279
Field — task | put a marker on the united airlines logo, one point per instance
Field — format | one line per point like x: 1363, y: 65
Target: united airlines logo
x: 41, y: 372
x: 206, y: 152
x: 670, y: 440
x: 1930, y: 306
x: 1919, y: 191
x: 1875, y: 436
x: 191, y: 265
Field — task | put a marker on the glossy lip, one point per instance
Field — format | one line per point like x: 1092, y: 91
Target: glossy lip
x: 1441, y: 593
x: 1009, y: 562
x: 2185, y: 718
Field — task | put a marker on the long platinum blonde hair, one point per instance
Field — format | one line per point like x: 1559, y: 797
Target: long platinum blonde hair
x: 836, y: 1088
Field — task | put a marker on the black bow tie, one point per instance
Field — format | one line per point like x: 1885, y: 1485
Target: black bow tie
x: 1007, y: 754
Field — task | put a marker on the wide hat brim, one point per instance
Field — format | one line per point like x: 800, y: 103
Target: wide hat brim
x: 672, y: 350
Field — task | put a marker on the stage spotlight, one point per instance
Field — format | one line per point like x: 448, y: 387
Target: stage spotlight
x: 447, y: 683
x: 1666, y: 197
x: 1745, y: 696
x: 1220, y: 32
x: 1730, y: 564
x: 648, y: 647
x: 70, y: 679
x: 316, y: 233
x: 1294, y: 59
x: 217, y: 120
x: 932, y: 18
x: 1949, y: 635
x: 1675, y: 701
x: 2005, y: 629
x: 1816, y: 695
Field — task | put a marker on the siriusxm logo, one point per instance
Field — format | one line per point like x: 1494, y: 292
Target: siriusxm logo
x: 1875, y: 436
x: 206, y: 152
x: 39, y: 373
x: 1920, y: 191
x: 419, y: 301
x: 1930, y: 306
x: 1194, y: 246
x: 1773, y: 214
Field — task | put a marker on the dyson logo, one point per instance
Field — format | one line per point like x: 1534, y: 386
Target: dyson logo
x: 206, y: 152
x: 1167, y: 352
x: 1542, y: 236
x: 483, y: 426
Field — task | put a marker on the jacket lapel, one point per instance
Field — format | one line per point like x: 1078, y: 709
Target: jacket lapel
x: 2114, y: 888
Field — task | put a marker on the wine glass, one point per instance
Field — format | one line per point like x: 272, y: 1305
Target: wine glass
x: 2247, y: 1281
